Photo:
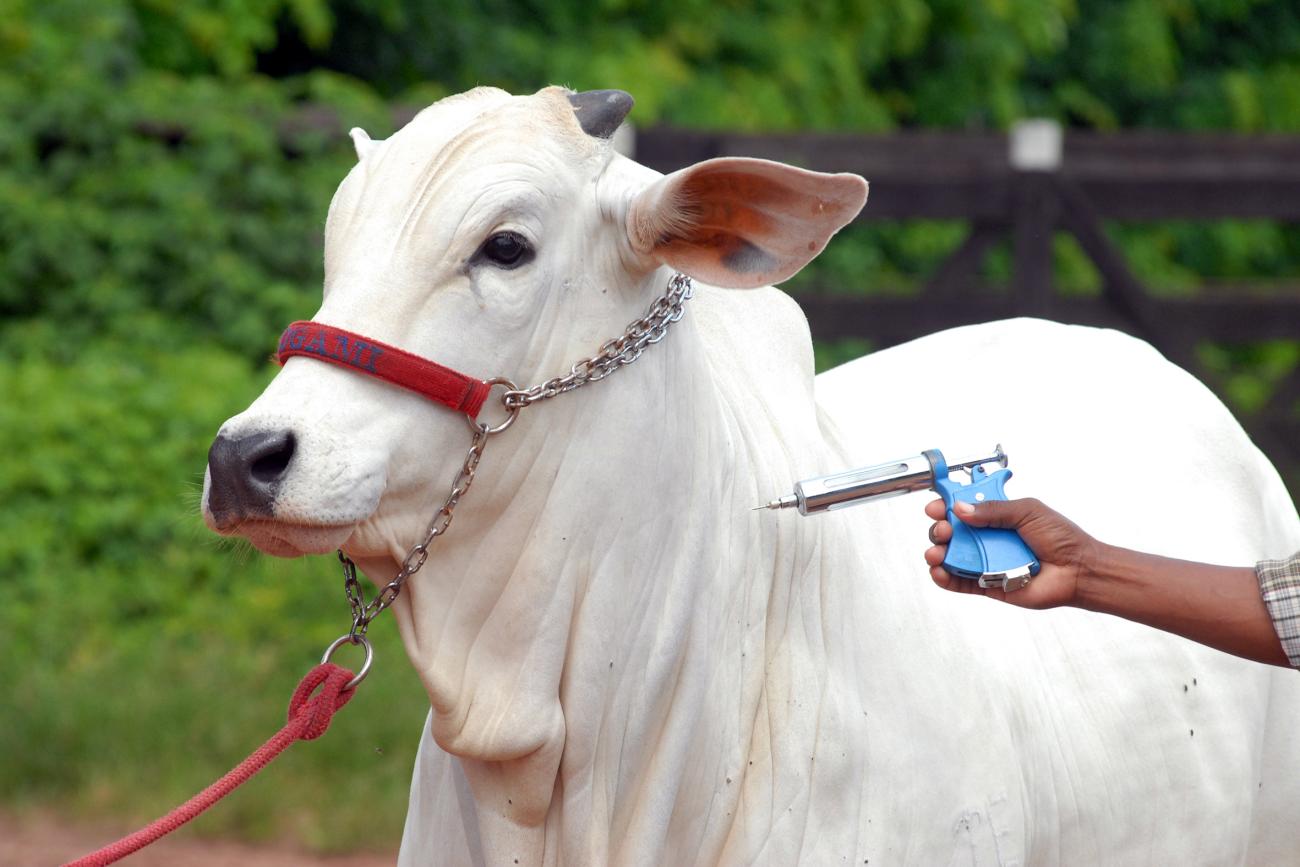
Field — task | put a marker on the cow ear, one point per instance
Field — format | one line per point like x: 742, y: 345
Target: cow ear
x: 742, y: 223
x: 362, y: 141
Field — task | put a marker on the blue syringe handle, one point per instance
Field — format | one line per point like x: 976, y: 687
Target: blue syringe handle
x: 980, y: 552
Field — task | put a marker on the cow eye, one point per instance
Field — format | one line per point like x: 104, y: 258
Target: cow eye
x: 506, y: 250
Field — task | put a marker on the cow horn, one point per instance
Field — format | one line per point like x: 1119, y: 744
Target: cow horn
x: 362, y: 141
x: 600, y: 112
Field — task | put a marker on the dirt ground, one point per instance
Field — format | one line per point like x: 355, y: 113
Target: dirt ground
x: 39, y: 840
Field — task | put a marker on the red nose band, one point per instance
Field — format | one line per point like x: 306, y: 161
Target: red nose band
x: 364, y: 355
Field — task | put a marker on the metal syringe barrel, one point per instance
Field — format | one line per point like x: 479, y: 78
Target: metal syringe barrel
x: 865, y: 484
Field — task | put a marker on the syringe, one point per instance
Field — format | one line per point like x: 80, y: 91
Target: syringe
x: 890, y: 479
x: 994, y: 557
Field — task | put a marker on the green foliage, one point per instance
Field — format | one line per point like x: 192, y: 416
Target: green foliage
x: 853, y: 64
x: 832, y: 353
x: 146, y: 166
x: 882, y: 64
x: 126, y: 188
x: 1252, y: 371
x: 146, y: 657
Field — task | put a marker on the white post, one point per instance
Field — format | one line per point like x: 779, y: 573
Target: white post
x: 1036, y: 145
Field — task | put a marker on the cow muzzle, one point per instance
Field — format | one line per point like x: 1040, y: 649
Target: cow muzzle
x: 245, y: 473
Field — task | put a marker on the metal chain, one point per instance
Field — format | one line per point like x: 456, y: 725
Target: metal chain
x: 616, y: 353
x: 613, y: 354
x: 362, y: 612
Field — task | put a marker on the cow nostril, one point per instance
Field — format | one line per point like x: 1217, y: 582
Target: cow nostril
x: 270, y: 464
x: 244, y: 474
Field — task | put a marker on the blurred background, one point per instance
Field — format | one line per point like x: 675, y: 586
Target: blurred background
x: 165, y: 167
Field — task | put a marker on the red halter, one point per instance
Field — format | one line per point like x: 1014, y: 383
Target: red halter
x: 364, y: 355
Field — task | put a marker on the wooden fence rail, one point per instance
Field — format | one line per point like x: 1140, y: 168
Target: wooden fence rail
x: 1088, y: 180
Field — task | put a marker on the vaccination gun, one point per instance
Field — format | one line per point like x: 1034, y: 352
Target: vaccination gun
x: 995, y: 557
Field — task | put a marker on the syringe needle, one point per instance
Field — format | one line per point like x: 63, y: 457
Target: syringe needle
x: 783, y: 503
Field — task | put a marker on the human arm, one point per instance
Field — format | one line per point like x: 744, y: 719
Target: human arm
x: 1219, y: 606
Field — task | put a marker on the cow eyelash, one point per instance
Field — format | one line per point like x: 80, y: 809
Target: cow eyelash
x: 506, y: 250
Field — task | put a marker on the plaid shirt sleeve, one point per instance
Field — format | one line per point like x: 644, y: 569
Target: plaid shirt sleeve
x: 1279, y: 584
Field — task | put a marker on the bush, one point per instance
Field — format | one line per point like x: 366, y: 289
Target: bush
x: 145, y: 656
x: 127, y: 188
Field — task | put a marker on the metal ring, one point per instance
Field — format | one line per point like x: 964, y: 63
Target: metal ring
x: 365, y: 666
x: 482, y: 427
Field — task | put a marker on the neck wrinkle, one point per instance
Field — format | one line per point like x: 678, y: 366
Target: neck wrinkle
x: 588, y: 655
x: 676, y: 628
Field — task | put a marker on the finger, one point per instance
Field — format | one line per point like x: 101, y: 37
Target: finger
x: 936, y: 510
x: 940, y: 533
x: 949, y: 582
x: 940, y: 576
x: 999, y: 513
x: 934, y: 556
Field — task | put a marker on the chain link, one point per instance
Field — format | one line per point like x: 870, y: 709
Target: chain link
x: 614, y: 354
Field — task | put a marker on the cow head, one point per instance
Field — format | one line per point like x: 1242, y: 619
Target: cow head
x: 500, y: 236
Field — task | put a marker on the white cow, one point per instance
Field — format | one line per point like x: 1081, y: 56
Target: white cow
x: 628, y: 666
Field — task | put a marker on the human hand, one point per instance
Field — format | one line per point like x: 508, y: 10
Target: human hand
x: 1067, y: 554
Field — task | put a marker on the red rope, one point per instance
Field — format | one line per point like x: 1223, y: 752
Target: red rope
x: 309, y: 717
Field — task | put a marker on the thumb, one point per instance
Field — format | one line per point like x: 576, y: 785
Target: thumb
x: 997, y: 513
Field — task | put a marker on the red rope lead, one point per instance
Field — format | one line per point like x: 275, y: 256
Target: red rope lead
x: 309, y: 717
